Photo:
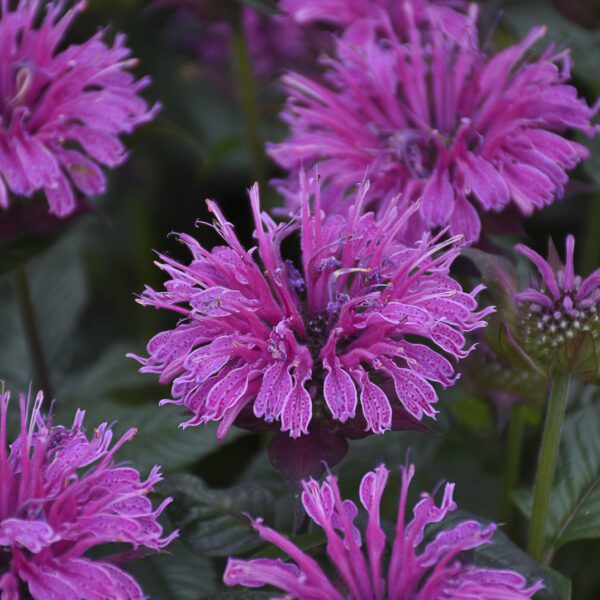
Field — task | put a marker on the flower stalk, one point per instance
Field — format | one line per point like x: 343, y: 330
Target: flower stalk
x: 555, y: 416
x: 32, y: 334
x: 247, y: 93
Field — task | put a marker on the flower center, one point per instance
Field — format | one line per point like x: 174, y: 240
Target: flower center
x: 416, y: 150
x: 548, y: 328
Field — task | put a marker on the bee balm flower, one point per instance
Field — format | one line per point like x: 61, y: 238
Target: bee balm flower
x: 560, y: 307
x: 61, y: 110
x: 432, y: 117
x: 319, y: 340
x: 61, y: 495
x: 417, y: 570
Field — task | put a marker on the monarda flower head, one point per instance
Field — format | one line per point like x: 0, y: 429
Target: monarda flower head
x: 343, y: 13
x: 61, y: 110
x: 61, y: 495
x: 361, y: 312
x: 417, y: 569
x: 430, y: 116
x: 560, y: 309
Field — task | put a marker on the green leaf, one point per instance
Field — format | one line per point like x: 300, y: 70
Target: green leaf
x: 215, y: 522
x: 18, y: 252
x: 305, y: 542
x: 175, y: 573
x: 502, y: 553
x: 59, y: 293
x: 113, y: 388
x: 574, y: 512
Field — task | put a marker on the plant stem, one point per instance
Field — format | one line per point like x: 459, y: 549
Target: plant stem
x: 555, y: 416
x: 512, y: 465
x: 34, y: 342
x: 247, y: 93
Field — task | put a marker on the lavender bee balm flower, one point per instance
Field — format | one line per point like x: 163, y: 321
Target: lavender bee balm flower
x: 362, y: 311
x: 61, y: 110
x: 417, y: 570
x: 61, y: 495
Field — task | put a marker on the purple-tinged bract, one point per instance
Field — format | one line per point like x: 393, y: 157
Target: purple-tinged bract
x: 62, y: 110
x: 427, y: 114
x: 560, y: 307
x: 361, y: 312
x: 417, y: 570
x: 61, y: 495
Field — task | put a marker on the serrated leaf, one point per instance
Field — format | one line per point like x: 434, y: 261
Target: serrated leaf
x: 501, y: 553
x: 175, y: 573
x: 112, y: 389
x: 215, y: 522
x: 574, y: 512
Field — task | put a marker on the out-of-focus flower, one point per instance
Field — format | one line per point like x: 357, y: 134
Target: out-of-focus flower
x: 275, y: 41
x: 449, y: 14
x: 417, y: 570
x: 62, y: 495
x: 317, y: 341
x: 560, y: 308
x: 430, y: 116
x: 61, y: 110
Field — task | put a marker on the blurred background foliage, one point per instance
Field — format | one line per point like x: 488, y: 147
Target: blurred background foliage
x: 84, y: 282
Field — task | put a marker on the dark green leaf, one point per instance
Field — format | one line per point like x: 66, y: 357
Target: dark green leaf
x: 176, y: 573
x: 305, y: 542
x: 501, y: 553
x: 215, y: 522
x: 575, y: 498
x: 113, y: 389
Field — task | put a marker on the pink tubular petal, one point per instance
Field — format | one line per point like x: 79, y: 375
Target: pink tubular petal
x: 339, y: 390
x: 371, y: 490
x: 414, y: 392
x: 375, y: 405
x: 543, y: 267
x: 438, y: 199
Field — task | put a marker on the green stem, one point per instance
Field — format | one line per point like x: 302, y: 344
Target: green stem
x: 247, y: 93
x: 34, y: 342
x: 512, y: 465
x: 555, y: 416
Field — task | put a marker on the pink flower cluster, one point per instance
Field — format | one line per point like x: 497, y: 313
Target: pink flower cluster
x: 61, y: 110
x: 362, y: 311
x: 61, y: 495
x: 418, y: 569
x: 423, y: 110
